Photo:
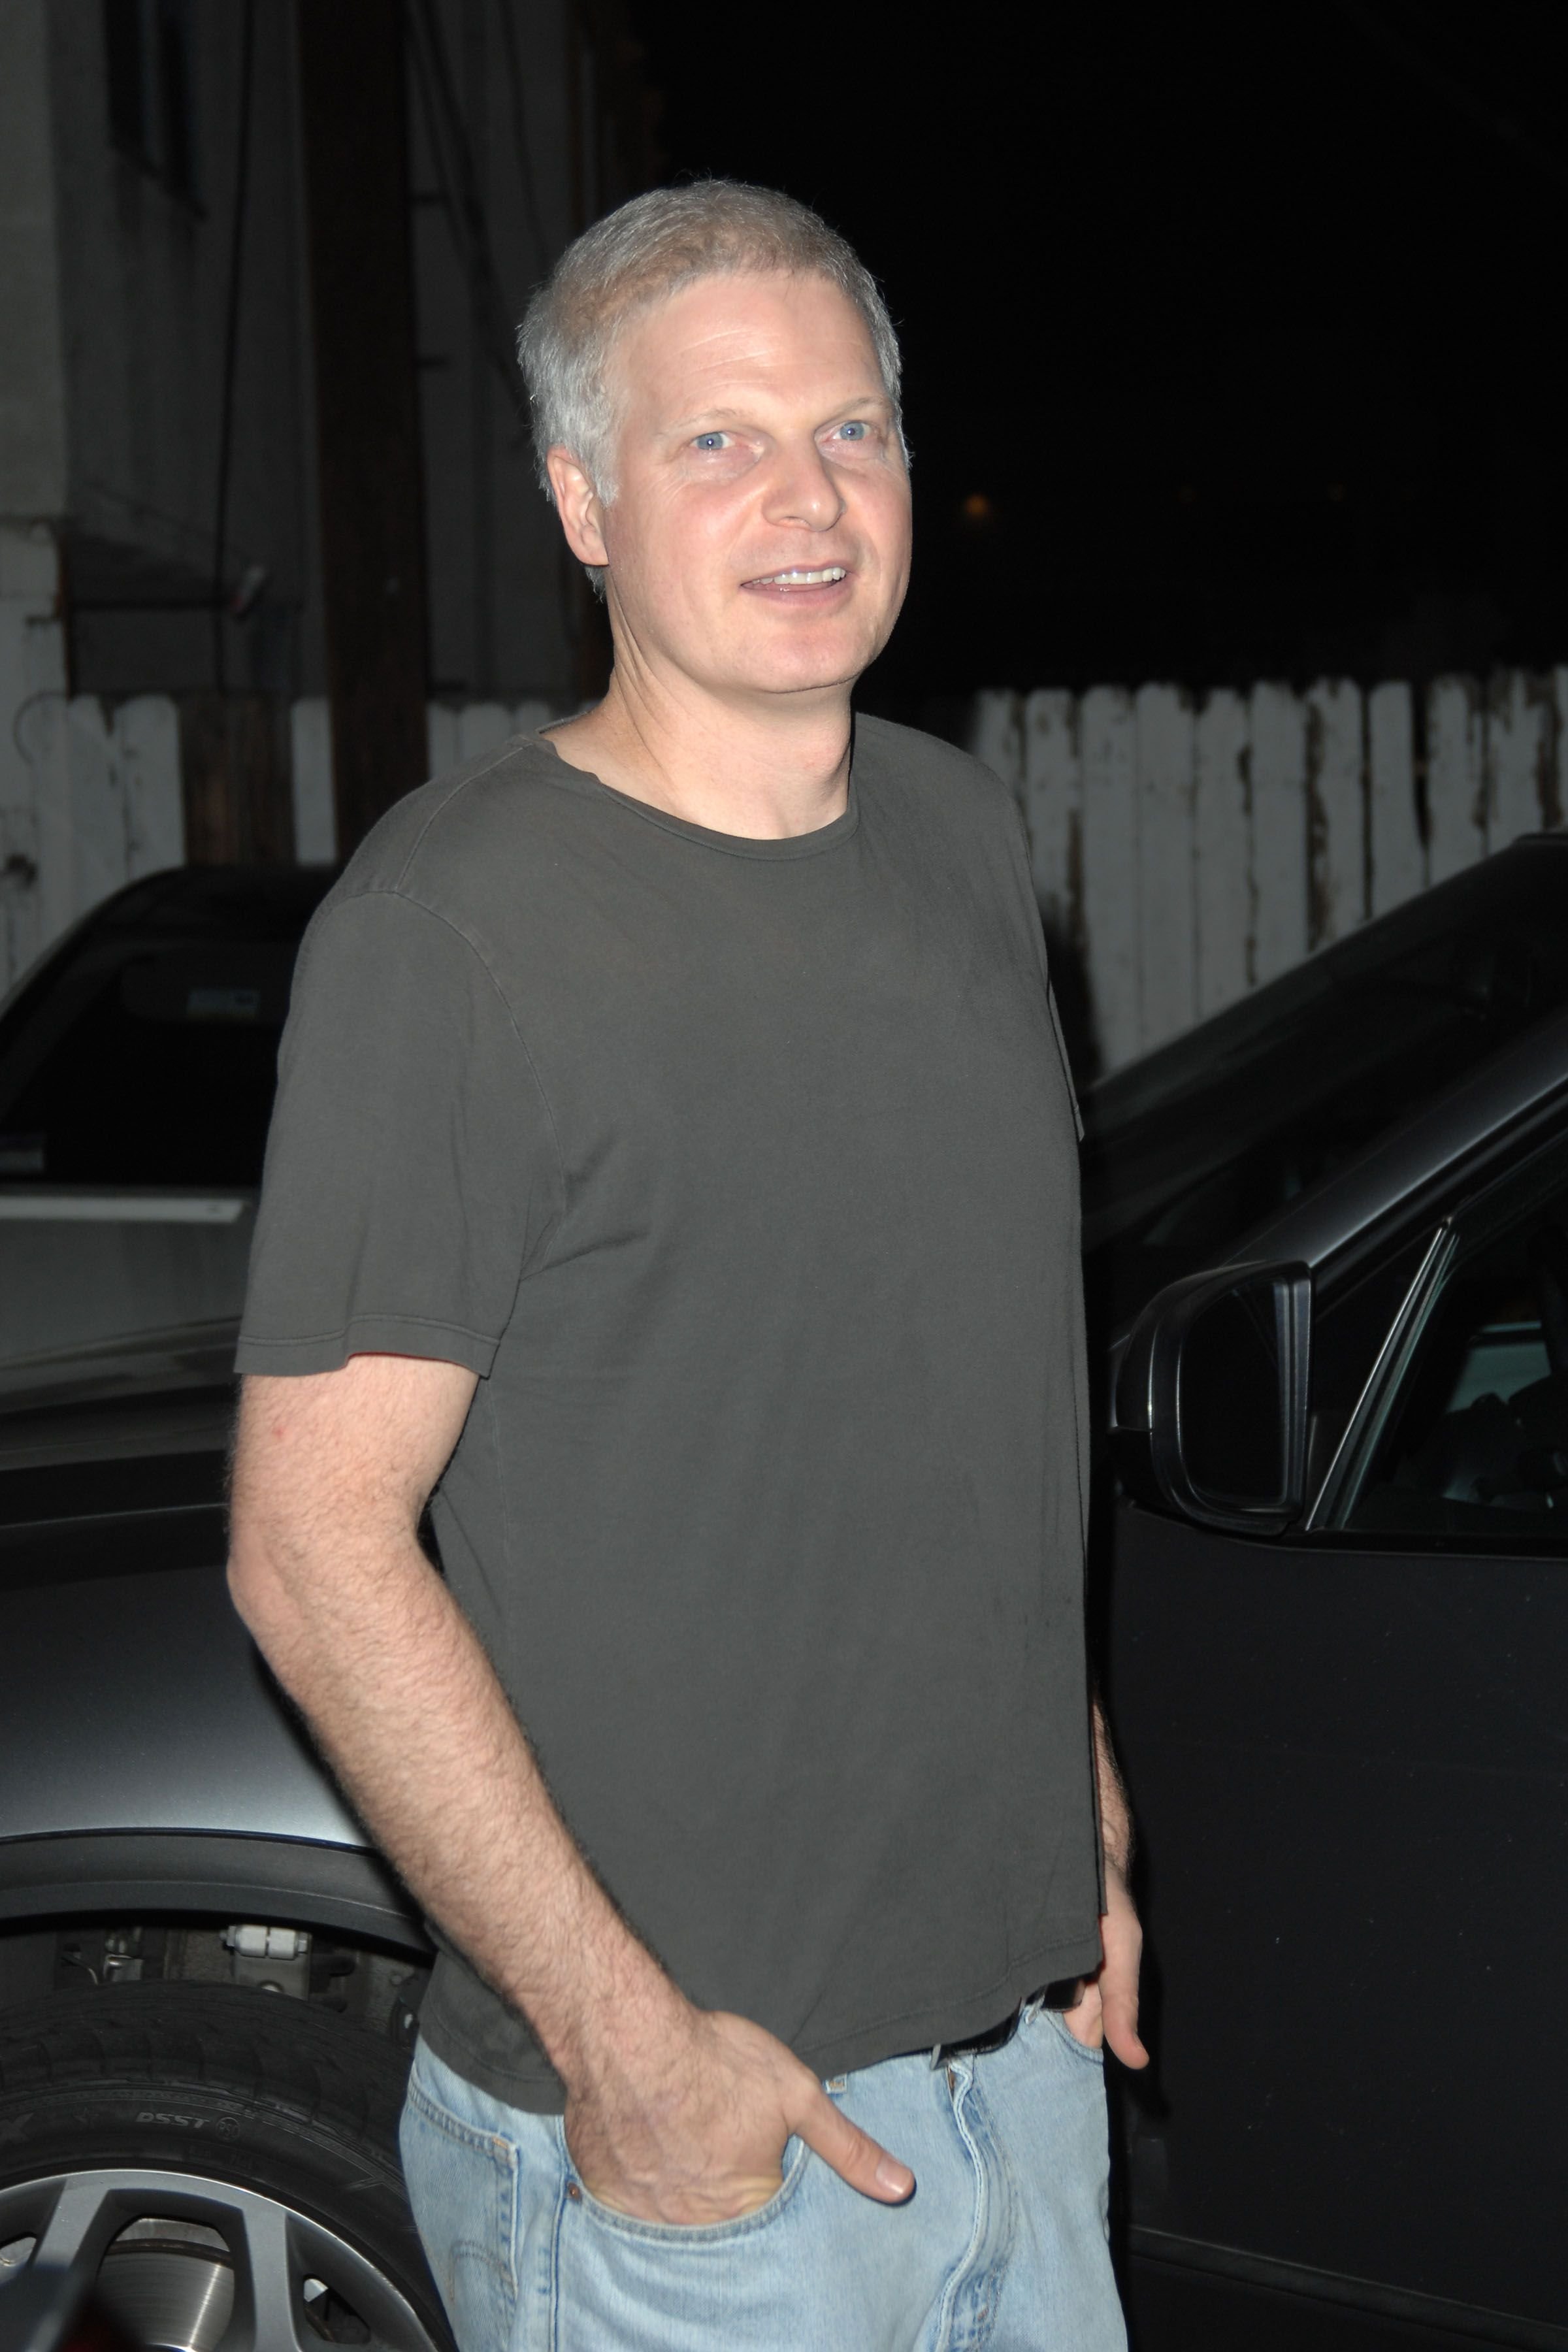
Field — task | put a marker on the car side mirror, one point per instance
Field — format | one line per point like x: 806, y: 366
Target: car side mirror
x: 1210, y: 1411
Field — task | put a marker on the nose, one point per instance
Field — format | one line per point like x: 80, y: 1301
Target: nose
x: 803, y: 488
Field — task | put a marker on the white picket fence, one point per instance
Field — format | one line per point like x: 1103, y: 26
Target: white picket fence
x: 452, y: 736
x: 90, y: 799
x: 1184, y: 852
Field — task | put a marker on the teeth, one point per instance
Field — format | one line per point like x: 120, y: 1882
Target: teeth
x: 802, y: 579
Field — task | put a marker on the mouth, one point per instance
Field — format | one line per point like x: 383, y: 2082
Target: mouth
x: 828, y: 576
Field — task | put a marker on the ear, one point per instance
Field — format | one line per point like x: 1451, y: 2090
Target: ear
x: 578, y: 505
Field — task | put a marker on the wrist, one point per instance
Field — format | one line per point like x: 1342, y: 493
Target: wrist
x: 630, y: 2026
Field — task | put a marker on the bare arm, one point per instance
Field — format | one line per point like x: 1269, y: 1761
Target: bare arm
x: 1109, y: 2010
x: 1115, y: 1815
x: 674, y: 2113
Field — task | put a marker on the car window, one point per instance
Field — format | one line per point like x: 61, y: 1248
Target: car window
x: 1352, y: 1319
x: 1477, y: 1437
x: 137, y: 1070
x: 156, y: 1068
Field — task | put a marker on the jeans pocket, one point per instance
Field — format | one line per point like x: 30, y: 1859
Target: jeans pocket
x: 688, y: 2234
x: 462, y: 2184
x: 1058, y: 2025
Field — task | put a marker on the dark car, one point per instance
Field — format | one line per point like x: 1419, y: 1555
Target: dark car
x: 208, y: 1981
x: 1336, y: 1652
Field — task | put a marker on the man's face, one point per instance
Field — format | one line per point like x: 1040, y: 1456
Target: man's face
x: 759, y: 542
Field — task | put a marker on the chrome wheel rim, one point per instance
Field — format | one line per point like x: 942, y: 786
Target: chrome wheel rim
x: 191, y: 2264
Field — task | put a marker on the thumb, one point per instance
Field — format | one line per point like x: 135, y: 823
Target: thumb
x: 1121, y: 2013
x: 853, y: 2153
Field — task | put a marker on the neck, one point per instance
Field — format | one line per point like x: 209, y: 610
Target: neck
x: 764, y: 768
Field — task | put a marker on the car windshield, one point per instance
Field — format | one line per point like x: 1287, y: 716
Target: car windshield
x: 137, y: 1070
x: 1191, y: 1147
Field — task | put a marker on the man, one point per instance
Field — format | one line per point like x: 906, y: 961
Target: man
x: 674, y: 1178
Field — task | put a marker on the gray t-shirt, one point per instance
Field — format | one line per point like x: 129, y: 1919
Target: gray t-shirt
x: 744, y: 1174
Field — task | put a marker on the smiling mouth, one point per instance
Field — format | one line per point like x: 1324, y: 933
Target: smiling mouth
x: 829, y: 574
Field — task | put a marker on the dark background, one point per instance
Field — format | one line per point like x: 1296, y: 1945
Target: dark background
x: 1231, y: 334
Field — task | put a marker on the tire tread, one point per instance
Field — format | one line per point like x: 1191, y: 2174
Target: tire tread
x: 249, y: 2087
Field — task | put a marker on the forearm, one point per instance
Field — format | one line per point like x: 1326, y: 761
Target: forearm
x: 409, y: 1713
x: 1115, y: 1817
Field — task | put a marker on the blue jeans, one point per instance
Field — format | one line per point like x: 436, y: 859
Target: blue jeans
x: 1003, y: 2247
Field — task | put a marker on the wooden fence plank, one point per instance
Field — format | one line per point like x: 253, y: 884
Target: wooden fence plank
x: 1053, y: 810
x: 1167, y: 930
x: 996, y: 736
x: 32, y: 671
x: 98, y: 846
x: 1397, y: 854
x: 19, y: 939
x: 1456, y: 780
x: 482, y: 727
x: 1107, y: 749
x: 1519, y: 729
x: 146, y: 747
x: 1279, y: 830
x: 310, y: 782
x: 81, y: 812
x: 1222, y: 852
x: 1336, y: 811
x: 442, y: 736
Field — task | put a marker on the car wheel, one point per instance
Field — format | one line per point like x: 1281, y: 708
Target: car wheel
x: 224, y: 2161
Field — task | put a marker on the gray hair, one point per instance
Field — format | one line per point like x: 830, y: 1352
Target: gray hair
x: 638, y: 255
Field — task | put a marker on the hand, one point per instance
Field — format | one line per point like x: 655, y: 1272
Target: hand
x: 702, y: 2139
x: 1108, y: 2011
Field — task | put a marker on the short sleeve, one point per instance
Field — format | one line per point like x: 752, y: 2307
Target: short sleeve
x: 411, y: 1170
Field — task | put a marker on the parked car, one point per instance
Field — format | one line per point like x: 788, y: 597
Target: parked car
x: 208, y: 1981
x: 1336, y: 1654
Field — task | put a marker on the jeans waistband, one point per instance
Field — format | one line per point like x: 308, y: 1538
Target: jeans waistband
x: 1065, y: 1993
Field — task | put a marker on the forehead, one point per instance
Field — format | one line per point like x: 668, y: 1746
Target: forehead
x: 779, y: 337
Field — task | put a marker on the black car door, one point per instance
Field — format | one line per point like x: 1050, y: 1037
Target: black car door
x: 1347, y: 1749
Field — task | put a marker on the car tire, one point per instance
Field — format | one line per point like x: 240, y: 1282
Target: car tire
x: 224, y: 2160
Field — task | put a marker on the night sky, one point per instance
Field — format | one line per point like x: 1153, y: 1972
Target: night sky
x: 1230, y: 332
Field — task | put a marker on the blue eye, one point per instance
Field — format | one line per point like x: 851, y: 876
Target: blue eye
x: 710, y: 440
x: 856, y: 431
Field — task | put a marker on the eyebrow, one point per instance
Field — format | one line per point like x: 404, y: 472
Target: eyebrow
x: 708, y: 416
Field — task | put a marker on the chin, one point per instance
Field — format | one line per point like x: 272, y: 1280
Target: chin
x: 826, y: 677
x: 803, y: 668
